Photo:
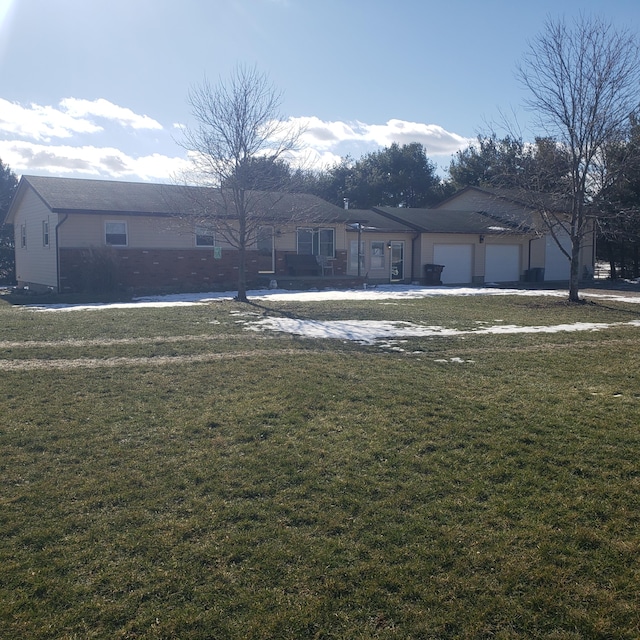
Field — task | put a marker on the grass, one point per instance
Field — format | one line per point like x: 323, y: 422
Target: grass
x: 282, y: 487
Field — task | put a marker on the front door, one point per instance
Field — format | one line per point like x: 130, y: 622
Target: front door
x: 397, y: 260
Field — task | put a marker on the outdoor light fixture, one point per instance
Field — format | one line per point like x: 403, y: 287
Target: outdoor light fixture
x: 481, y: 239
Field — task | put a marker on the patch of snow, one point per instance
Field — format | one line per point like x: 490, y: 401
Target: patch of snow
x: 380, y: 292
x: 371, y: 332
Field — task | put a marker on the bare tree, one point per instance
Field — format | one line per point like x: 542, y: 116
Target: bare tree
x: 584, y: 84
x: 239, y: 133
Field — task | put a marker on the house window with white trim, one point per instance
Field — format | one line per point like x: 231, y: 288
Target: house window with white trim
x: 115, y: 234
x: 377, y: 255
x: 204, y: 236
x: 327, y: 242
x: 317, y: 241
x: 45, y: 233
x: 23, y: 236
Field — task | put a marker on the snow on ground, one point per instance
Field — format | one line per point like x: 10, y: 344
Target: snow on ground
x: 369, y: 332
x: 363, y: 331
x: 380, y: 292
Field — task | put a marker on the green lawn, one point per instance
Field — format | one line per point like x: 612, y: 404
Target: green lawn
x: 168, y: 474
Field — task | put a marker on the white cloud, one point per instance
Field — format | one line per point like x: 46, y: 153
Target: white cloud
x: 435, y: 139
x: 323, y: 135
x: 312, y: 159
x: 74, y: 116
x: 25, y: 157
x: 104, y: 109
x: 30, y: 133
x: 41, y: 122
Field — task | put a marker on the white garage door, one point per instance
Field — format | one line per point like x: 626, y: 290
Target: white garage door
x: 457, y: 261
x: 502, y: 263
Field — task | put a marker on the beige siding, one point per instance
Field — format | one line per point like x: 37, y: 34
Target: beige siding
x: 147, y: 232
x: 144, y: 232
x: 36, y: 264
x: 475, y: 201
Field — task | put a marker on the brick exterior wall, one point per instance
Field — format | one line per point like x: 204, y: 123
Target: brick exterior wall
x: 149, y: 270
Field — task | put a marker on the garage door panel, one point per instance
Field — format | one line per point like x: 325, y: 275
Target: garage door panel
x: 502, y: 263
x: 457, y: 260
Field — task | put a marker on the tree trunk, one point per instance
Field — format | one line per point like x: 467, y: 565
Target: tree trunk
x: 242, y: 259
x: 613, y: 273
x: 574, y: 273
x: 242, y: 274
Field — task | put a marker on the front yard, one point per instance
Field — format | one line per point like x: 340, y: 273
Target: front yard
x: 174, y: 473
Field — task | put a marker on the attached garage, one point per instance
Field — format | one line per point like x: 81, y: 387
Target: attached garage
x: 457, y: 260
x: 502, y: 263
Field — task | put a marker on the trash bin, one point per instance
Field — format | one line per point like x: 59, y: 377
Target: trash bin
x: 432, y: 273
x: 534, y: 275
x: 537, y: 274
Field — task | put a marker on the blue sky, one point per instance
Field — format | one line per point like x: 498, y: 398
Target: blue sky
x: 98, y: 88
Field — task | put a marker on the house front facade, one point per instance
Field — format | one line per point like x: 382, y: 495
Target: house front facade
x: 88, y: 235
x: 75, y: 235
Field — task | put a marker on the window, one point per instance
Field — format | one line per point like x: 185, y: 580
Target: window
x: 115, y: 234
x: 23, y: 236
x: 377, y: 255
x: 317, y: 242
x: 305, y: 241
x: 265, y: 246
x: 326, y: 244
x: 204, y: 236
x: 45, y: 233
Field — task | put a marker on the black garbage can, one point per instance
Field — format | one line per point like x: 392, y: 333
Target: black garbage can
x: 433, y: 273
x: 537, y: 274
x: 534, y: 275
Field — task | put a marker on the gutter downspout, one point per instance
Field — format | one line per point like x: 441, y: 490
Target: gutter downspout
x: 58, y: 250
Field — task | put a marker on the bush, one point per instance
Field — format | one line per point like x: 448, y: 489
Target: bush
x: 101, y: 272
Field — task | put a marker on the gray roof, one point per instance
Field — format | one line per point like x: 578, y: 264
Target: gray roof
x: 533, y: 200
x: 372, y: 221
x: 72, y: 195
x: 446, y: 221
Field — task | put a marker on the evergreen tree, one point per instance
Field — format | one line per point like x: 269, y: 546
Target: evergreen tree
x: 8, y: 186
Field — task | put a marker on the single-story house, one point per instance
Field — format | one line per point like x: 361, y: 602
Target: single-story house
x: 74, y: 234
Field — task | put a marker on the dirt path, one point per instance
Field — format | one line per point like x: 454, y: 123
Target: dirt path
x: 102, y: 342
x: 94, y: 363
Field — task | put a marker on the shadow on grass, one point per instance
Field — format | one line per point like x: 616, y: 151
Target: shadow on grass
x: 599, y: 304
x: 280, y: 312
x: 25, y: 299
